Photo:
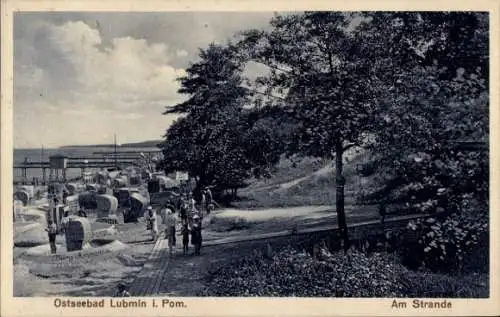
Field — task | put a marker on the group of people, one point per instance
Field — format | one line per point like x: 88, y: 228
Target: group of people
x: 189, y: 217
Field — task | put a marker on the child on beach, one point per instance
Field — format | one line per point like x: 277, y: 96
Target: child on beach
x: 185, y: 237
x: 196, y: 237
x: 52, y: 232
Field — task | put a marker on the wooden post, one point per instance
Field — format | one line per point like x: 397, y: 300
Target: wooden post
x: 116, y: 164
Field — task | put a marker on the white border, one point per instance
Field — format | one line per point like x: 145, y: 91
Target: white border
x: 241, y: 306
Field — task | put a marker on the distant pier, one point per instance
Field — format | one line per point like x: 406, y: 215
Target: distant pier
x: 58, y: 164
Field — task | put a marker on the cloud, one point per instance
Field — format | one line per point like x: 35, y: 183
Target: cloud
x: 181, y: 53
x: 125, y: 78
x: 126, y: 74
x: 80, y: 76
x: 129, y: 116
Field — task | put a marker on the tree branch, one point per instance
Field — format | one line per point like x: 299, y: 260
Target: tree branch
x: 264, y: 94
x: 348, y: 146
x: 273, y: 67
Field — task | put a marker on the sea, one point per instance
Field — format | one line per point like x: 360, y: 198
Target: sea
x: 37, y: 155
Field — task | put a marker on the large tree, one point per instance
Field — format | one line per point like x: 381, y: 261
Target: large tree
x: 205, y: 139
x: 433, y: 68
x: 450, y: 40
x: 219, y: 140
x: 325, y: 84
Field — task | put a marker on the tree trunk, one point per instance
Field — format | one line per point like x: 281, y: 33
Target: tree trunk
x: 340, y: 182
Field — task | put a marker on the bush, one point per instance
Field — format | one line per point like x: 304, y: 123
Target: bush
x: 444, y: 246
x: 293, y: 273
x: 355, y: 274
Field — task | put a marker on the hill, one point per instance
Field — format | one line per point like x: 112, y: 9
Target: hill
x: 307, y: 181
x: 144, y: 144
x: 152, y: 143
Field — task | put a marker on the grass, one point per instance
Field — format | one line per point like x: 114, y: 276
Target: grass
x: 287, y: 171
x: 269, y: 193
x: 308, y: 181
x: 432, y: 285
x: 225, y: 224
x: 309, y: 197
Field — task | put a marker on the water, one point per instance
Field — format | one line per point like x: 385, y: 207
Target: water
x: 36, y: 155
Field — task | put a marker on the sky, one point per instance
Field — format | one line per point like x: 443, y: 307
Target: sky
x: 79, y: 78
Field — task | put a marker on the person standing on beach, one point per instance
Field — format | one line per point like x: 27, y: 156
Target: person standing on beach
x: 196, y: 238
x: 163, y: 215
x: 209, y: 197
x: 203, y: 203
x: 185, y: 236
x: 183, y: 208
x: 170, y: 229
x: 65, y: 195
x: 152, y: 222
x: 192, y: 204
x: 52, y: 232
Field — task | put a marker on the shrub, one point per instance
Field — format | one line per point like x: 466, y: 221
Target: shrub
x: 443, y: 245
x: 294, y: 273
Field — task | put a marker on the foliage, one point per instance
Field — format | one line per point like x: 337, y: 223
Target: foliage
x: 432, y: 285
x: 444, y: 245
x: 313, y: 64
x: 450, y: 40
x: 406, y: 85
x: 293, y: 273
x: 325, y: 87
x: 418, y: 161
x: 432, y: 70
x: 216, y: 141
x: 355, y: 274
x: 264, y: 144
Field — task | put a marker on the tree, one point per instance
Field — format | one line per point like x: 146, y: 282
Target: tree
x: 216, y: 140
x: 450, y: 40
x: 434, y: 94
x: 313, y: 62
x: 415, y: 143
x: 202, y: 142
x: 266, y: 140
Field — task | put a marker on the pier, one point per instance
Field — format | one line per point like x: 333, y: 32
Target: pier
x: 58, y: 164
